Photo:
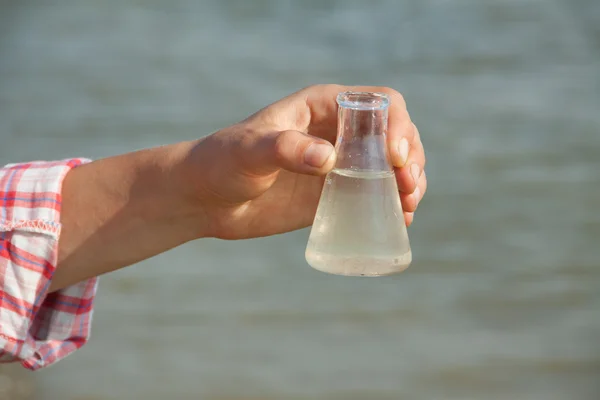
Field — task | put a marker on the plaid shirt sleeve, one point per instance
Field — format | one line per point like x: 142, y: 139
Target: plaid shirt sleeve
x: 37, y: 328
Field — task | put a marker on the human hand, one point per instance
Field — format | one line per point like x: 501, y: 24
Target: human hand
x: 264, y: 175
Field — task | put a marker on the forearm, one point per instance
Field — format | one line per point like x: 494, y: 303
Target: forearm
x: 124, y: 209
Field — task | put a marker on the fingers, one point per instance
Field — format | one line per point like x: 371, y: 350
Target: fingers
x: 401, y: 130
x: 322, y: 114
x: 315, y: 112
x: 408, y: 176
x: 412, y: 179
x: 321, y: 103
x: 410, y: 201
x: 405, y: 146
x: 291, y: 150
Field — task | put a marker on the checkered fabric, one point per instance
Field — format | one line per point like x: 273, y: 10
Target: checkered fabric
x: 37, y: 328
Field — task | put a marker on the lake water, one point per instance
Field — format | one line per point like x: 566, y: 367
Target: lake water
x: 502, y: 300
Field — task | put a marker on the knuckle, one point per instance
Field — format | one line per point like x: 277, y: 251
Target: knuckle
x: 423, y: 182
x: 395, y: 95
x: 416, y: 130
x: 279, y: 146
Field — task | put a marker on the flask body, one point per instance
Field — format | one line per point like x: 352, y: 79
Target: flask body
x: 359, y: 227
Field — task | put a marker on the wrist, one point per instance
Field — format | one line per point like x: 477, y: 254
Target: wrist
x: 173, y: 181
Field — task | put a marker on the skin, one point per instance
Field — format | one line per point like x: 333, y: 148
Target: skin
x: 260, y: 177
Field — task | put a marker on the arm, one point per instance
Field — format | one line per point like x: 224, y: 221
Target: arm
x: 261, y: 177
x: 108, y: 214
x: 124, y: 209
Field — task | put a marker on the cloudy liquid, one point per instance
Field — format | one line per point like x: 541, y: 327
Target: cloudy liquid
x: 359, y: 227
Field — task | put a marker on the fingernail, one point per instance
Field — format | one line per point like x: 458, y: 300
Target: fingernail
x: 317, y: 154
x: 415, y: 172
x: 403, y: 151
x: 417, y: 195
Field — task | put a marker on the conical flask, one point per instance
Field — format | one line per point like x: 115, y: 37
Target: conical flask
x: 359, y: 227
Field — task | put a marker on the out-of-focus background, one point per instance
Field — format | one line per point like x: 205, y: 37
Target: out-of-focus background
x: 503, y: 298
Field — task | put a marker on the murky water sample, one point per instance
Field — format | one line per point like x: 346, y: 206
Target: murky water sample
x: 359, y: 227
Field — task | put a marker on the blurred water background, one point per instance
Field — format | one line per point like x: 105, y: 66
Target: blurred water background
x: 503, y: 298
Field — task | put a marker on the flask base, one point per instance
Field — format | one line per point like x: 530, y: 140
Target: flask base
x: 367, y: 266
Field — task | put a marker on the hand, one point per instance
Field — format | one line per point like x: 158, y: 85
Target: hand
x: 264, y: 176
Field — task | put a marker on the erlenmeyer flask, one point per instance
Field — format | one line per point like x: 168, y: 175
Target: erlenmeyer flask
x: 359, y: 227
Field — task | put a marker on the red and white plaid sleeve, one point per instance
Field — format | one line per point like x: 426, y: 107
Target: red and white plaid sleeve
x: 37, y: 328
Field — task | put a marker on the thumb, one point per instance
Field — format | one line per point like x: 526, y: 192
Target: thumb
x: 291, y: 150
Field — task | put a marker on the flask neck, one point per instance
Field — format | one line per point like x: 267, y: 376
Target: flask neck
x: 362, y: 132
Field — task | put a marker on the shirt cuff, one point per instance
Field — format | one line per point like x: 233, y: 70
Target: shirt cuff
x: 37, y: 328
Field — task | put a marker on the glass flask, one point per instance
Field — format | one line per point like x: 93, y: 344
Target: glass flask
x: 359, y: 227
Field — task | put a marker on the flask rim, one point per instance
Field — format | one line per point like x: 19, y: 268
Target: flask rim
x: 363, y: 100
